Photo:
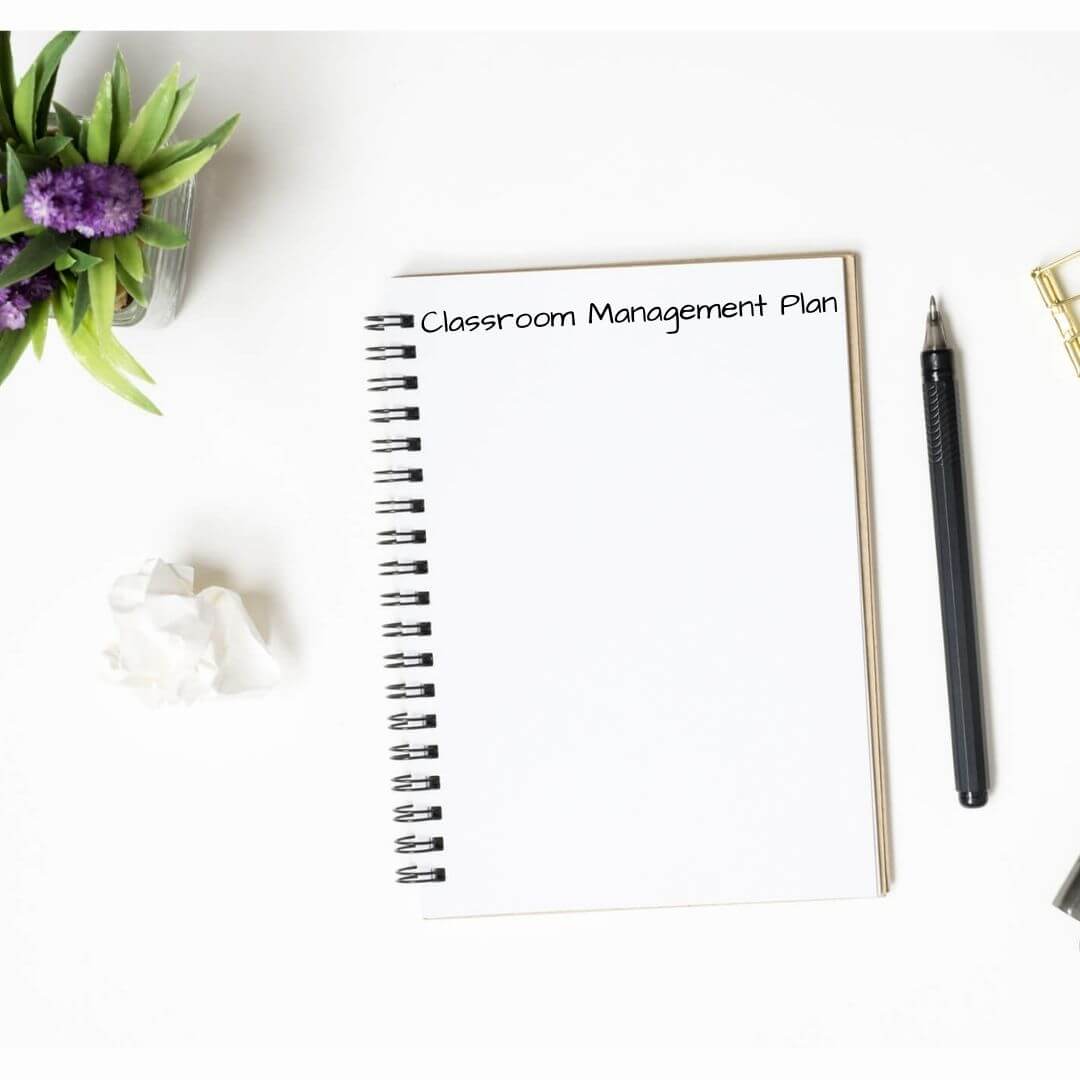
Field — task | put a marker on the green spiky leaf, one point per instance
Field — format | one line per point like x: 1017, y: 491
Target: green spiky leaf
x: 129, y: 255
x: 157, y: 233
x: 16, y: 178
x: 133, y: 286
x: 97, y: 138
x: 180, y: 106
x: 30, y: 104
x: 61, y: 303
x: 69, y: 156
x: 7, y: 86
x: 12, y: 345
x: 23, y: 106
x: 81, y: 302
x: 121, y: 88
x: 37, y: 322
x: 44, y: 107
x: 68, y: 121
x: 32, y: 163
x: 48, y: 65
x: 103, y: 287
x: 222, y: 133
x: 123, y: 360
x: 82, y: 260
x: 13, y: 221
x: 48, y: 60
x: 172, y: 176
x: 66, y: 285
x: 89, y: 353
x: 144, y: 134
x: 52, y: 146
x: 40, y: 252
x: 64, y: 262
x: 168, y: 155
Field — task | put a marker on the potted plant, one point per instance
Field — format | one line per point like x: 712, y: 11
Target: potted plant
x: 77, y: 202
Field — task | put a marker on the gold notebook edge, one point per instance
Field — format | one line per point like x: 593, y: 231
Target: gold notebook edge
x: 860, y: 446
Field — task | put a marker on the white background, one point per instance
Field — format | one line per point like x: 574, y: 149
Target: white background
x: 221, y: 876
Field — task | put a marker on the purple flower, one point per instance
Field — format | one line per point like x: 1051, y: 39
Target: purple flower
x: 39, y: 286
x: 92, y: 200
x: 17, y: 299
x: 10, y: 248
x: 13, y: 308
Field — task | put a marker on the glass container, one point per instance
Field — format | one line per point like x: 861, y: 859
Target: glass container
x: 166, y: 268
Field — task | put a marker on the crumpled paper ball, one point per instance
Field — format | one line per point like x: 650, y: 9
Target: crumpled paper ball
x: 178, y: 646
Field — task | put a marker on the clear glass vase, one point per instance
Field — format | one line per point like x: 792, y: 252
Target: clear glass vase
x: 166, y: 268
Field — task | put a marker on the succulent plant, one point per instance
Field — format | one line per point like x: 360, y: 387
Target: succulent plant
x: 74, y: 208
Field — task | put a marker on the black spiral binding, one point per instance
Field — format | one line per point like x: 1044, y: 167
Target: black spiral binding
x: 405, y: 441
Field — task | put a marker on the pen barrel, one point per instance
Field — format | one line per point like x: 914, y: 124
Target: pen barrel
x: 955, y: 579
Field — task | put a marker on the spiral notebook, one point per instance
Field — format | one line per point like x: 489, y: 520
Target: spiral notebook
x: 627, y: 589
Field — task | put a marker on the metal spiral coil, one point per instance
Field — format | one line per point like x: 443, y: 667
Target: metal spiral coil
x: 407, y: 722
x: 389, y: 322
x: 403, y: 412
x: 410, y: 782
x: 413, y: 752
x: 414, y: 845
x: 403, y: 691
x: 397, y: 567
x: 399, y: 506
x: 411, y: 875
x: 382, y: 383
x: 395, y: 443
x: 410, y: 813
x: 402, y: 536
x: 405, y: 599
x: 398, y: 476
x: 391, y: 352
x: 406, y: 629
x: 409, y: 660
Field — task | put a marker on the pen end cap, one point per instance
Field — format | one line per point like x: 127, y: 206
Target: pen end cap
x: 973, y: 799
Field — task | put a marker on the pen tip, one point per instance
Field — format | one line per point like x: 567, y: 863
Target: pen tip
x: 935, y: 330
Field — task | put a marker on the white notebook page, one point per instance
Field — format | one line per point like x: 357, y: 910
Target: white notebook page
x: 645, y: 589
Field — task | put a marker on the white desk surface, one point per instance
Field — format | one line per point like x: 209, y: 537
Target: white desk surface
x: 222, y: 875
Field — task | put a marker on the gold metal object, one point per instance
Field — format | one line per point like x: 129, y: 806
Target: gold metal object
x: 1061, y: 304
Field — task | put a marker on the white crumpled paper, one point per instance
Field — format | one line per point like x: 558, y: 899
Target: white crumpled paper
x: 176, y: 646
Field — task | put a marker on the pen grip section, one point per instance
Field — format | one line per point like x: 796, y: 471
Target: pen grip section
x: 942, y: 421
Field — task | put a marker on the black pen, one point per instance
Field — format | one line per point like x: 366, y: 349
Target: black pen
x: 958, y: 617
